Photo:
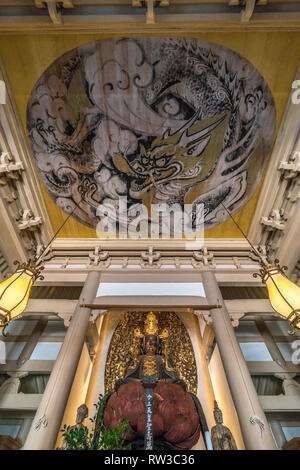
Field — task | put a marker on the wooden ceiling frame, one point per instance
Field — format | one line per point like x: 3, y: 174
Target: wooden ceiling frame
x: 153, y: 16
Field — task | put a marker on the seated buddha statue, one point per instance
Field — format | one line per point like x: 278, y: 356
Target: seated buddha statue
x: 150, y: 362
x: 178, y: 417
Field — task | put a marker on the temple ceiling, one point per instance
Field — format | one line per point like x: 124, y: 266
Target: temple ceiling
x: 153, y: 119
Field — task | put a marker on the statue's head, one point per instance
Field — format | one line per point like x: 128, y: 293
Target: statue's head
x: 217, y: 414
x: 82, y: 413
x: 151, y: 344
x: 151, y: 337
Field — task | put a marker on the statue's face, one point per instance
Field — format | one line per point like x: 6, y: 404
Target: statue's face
x: 218, y: 416
x: 151, y: 345
x: 82, y: 413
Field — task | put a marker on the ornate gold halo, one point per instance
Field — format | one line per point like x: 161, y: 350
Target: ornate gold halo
x: 125, y: 347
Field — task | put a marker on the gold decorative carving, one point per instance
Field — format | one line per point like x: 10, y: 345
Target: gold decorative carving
x: 175, y: 342
x: 150, y: 366
x: 151, y: 324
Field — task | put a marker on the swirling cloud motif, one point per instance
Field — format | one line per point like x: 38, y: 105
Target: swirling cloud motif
x: 116, y: 73
x: 170, y: 120
x: 110, y: 140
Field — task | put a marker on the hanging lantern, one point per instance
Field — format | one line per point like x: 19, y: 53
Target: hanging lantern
x: 284, y: 295
x: 14, y: 292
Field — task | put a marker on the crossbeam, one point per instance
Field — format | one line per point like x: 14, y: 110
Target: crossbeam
x: 149, y: 307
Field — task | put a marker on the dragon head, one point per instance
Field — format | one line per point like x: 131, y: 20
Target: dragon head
x: 186, y: 156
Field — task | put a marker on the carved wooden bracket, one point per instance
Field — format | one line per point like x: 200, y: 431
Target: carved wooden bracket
x: 234, y: 317
x: 203, y: 258
x: 275, y: 221
x: 66, y: 317
x: 47, y: 254
x: 149, y: 4
x: 263, y: 250
x: 10, y: 196
x: 248, y: 9
x: 99, y: 258
x: 97, y: 313
x: 28, y: 221
x: 151, y: 258
x: 291, y: 167
x: 54, y: 8
x: 8, y: 167
x: 293, y: 194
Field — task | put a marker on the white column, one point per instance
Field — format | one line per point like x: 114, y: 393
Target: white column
x: 277, y: 432
x: 45, y: 427
x: 242, y: 389
x: 22, y: 434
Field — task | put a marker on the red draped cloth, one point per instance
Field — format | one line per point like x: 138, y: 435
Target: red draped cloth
x: 175, y: 418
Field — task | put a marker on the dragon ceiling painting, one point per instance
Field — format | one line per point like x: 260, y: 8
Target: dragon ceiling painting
x: 158, y: 120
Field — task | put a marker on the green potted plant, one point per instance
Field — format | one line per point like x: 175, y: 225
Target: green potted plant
x: 99, y: 437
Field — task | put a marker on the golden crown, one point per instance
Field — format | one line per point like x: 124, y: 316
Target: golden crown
x: 151, y: 328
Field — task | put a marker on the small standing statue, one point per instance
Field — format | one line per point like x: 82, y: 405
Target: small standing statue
x: 221, y: 436
x: 82, y: 413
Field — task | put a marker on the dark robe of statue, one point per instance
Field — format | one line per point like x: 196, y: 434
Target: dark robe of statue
x: 151, y: 363
x: 221, y: 436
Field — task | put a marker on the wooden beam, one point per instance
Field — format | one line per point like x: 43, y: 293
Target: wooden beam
x: 33, y: 366
x: 20, y: 401
x: 280, y: 403
x: 169, y: 307
x: 259, y: 339
x: 270, y: 367
x: 135, y: 24
x: 34, y: 339
x: 26, y: 338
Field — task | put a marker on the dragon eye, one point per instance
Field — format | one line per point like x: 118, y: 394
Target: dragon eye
x: 137, y: 167
x: 161, y: 161
x: 173, y: 106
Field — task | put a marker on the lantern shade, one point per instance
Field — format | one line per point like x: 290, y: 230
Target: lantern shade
x: 14, y: 294
x: 284, y: 296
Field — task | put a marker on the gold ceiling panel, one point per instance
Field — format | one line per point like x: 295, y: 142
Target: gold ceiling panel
x: 276, y: 56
